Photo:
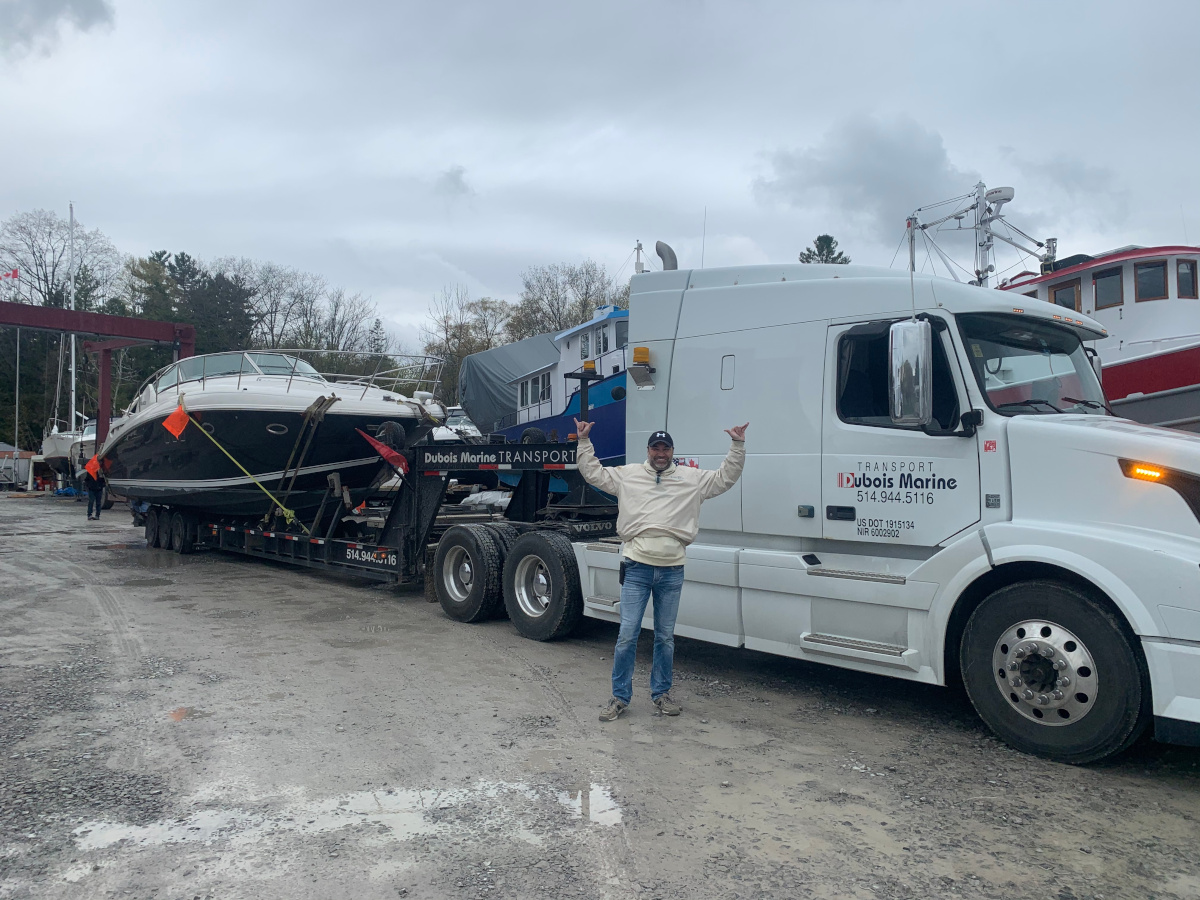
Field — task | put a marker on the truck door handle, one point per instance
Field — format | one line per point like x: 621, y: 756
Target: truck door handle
x: 840, y: 513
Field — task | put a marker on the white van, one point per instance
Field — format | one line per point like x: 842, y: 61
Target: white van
x: 931, y: 500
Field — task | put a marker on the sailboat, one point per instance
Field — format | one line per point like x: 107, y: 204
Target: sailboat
x: 57, y: 442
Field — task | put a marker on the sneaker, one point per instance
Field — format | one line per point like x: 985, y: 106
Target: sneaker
x: 615, y: 708
x: 667, y: 706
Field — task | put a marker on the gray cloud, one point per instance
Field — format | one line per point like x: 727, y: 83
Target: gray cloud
x: 1091, y: 193
x: 452, y: 184
x: 35, y: 24
x: 868, y: 173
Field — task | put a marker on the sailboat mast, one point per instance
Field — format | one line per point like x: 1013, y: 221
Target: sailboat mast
x: 71, y: 426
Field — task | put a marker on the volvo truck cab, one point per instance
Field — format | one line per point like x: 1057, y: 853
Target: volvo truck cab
x: 934, y: 490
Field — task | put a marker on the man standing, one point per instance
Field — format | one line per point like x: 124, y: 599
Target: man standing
x: 658, y: 516
x: 93, y: 480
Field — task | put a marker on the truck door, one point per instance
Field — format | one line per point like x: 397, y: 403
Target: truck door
x: 886, y: 484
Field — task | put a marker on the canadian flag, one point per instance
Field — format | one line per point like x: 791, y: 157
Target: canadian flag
x: 14, y: 274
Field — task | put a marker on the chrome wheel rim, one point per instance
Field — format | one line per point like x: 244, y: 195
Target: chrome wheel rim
x: 531, y: 584
x: 1046, y: 673
x: 458, y: 575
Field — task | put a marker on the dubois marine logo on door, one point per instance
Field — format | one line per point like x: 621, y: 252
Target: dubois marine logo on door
x: 903, y: 481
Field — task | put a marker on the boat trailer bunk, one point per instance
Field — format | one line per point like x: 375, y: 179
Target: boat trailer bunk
x: 392, y: 538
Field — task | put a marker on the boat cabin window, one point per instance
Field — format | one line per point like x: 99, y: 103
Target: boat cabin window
x: 226, y: 364
x: 862, y: 397
x: 191, y: 369
x: 168, y: 380
x: 1150, y: 280
x: 585, y: 341
x: 1185, y: 274
x: 622, y: 333
x: 1066, y: 294
x: 1108, y: 289
x: 524, y: 395
x: 279, y: 364
x: 601, y: 340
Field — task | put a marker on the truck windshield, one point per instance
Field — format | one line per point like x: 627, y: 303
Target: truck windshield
x: 1024, y: 366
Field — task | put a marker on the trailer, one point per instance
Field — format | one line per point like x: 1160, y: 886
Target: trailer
x: 408, y: 535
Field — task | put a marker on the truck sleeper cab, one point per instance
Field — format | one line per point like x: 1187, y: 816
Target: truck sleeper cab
x: 1001, y: 528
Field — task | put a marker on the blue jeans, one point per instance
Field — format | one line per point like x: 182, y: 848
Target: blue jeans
x: 95, y: 499
x: 641, y: 580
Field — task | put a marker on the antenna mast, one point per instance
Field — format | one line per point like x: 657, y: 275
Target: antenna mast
x: 638, y: 266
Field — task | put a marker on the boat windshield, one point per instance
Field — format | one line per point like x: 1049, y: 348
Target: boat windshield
x: 1027, y: 366
x: 459, y: 420
x: 279, y: 364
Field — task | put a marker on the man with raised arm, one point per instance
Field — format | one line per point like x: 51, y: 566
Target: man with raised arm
x: 658, y: 515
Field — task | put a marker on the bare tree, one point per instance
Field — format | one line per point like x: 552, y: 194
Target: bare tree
x: 38, y: 244
x: 459, y: 326
x: 559, y: 296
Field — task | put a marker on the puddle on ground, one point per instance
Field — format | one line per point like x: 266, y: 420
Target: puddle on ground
x: 405, y: 814
x: 138, y: 545
x: 591, y: 803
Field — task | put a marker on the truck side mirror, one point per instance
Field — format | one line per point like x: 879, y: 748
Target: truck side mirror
x: 1097, y: 367
x: 910, y: 372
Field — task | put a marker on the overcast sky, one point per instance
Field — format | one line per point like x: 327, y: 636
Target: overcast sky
x: 398, y: 147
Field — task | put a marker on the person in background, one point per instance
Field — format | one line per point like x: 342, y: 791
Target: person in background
x: 94, y: 483
x: 658, y: 515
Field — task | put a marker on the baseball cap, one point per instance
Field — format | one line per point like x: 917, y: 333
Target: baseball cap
x: 660, y: 437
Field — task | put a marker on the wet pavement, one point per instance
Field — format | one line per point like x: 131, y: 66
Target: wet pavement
x: 210, y: 726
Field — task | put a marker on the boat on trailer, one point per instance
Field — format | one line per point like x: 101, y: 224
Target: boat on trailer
x: 271, y: 422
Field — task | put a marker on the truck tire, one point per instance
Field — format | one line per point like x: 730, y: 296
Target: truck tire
x: 505, y: 535
x: 164, y: 529
x: 467, y: 573
x: 541, y: 586
x: 1054, y: 673
x: 183, y: 533
x: 533, y: 436
x: 151, y: 527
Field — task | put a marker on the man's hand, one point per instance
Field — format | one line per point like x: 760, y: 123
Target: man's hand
x: 582, y: 429
x: 738, y: 432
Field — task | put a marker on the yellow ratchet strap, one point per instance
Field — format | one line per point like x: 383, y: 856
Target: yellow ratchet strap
x: 288, y: 515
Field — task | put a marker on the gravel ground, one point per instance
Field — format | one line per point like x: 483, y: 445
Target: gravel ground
x: 209, y: 726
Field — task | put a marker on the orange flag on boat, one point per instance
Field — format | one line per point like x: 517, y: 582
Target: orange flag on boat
x: 93, y: 466
x: 389, y: 455
x: 176, y: 421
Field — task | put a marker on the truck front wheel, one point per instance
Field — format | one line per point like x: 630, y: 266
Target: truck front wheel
x: 541, y: 586
x: 1054, y: 673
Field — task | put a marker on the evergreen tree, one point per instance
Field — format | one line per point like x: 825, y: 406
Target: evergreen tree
x: 824, y: 250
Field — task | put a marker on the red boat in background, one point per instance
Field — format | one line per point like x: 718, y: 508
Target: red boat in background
x: 1149, y: 300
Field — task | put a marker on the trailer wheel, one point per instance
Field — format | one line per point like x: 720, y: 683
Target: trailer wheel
x: 151, y: 527
x: 163, y: 528
x: 183, y: 533
x: 467, y: 573
x: 533, y: 436
x: 541, y: 586
x: 106, y: 502
x: 1052, y: 672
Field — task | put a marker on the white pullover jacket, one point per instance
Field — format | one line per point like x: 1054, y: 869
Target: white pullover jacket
x: 658, y: 514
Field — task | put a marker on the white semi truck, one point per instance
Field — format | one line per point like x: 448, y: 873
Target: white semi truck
x: 934, y: 490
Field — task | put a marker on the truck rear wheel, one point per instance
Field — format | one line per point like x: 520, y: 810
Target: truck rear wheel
x: 1054, y: 673
x: 467, y: 573
x: 541, y: 586
x: 505, y: 536
x: 151, y: 527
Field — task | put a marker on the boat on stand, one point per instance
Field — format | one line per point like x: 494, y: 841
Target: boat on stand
x: 271, y: 422
x: 1147, y: 298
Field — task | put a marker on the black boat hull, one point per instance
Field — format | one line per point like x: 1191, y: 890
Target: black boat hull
x: 147, y: 462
